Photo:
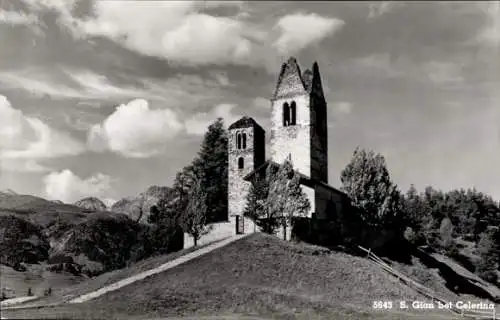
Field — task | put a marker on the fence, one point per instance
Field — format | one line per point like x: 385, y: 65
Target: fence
x: 428, y: 293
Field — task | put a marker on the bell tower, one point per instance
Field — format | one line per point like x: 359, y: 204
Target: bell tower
x: 246, y: 152
x: 299, y: 121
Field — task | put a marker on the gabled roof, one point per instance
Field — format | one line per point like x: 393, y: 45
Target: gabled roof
x: 244, y: 122
x: 305, y: 180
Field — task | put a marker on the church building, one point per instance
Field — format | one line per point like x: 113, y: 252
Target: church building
x: 299, y: 131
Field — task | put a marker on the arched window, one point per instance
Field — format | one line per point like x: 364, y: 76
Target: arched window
x: 293, y: 114
x: 241, y: 163
x: 238, y: 140
x: 244, y: 140
x: 286, y: 115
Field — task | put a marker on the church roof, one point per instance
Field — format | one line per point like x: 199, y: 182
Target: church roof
x: 305, y: 180
x: 244, y: 122
x: 292, y: 82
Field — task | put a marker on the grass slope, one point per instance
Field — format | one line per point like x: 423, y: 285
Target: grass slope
x: 259, y: 275
x: 111, y: 277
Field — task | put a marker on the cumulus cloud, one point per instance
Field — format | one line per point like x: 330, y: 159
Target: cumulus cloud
x: 184, y: 32
x: 134, y: 130
x: 23, y: 137
x: 299, y: 30
x: 198, y: 124
x: 68, y: 187
x: 169, y: 29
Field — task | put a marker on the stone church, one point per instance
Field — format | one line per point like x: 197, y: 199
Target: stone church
x: 299, y: 131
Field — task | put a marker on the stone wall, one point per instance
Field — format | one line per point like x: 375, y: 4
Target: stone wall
x: 237, y: 187
x: 220, y: 231
x: 329, y: 204
x: 294, y: 140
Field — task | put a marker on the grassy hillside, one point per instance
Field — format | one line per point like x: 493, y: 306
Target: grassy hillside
x: 258, y: 275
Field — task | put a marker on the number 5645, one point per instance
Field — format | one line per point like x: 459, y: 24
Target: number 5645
x: 382, y: 304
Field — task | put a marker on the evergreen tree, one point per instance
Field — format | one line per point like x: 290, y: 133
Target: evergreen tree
x: 488, y: 251
x: 211, y: 166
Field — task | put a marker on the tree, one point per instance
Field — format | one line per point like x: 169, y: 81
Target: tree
x: 446, y: 236
x: 195, y: 217
x: 256, y: 207
x: 416, y: 216
x: 286, y: 198
x: 366, y: 181
x: 488, y: 255
x: 211, y: 167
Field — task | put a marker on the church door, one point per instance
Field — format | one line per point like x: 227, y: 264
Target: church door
x: 240, y: 225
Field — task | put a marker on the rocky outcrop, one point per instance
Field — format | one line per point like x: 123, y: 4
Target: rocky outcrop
x: 139, y: 207
x: 101, y: 243
x: 92, y: 204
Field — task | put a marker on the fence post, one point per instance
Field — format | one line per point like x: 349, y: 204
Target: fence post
x: 462, y: 312
x: 494, y: 314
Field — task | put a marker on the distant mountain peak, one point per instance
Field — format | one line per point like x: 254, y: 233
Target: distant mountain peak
x: 91, y: 203
x: 9, y: 191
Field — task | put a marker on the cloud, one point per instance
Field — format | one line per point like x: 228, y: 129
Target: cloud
x: 183, y: 32
x: 299, y: 30
x: 443, y: 72
x: 38, y: 85
x: 17, y: 18
x: 89, y: 85
x: 23, y: 165
x: 490, y: 34
x: 134, y: 130
x: 68, y: 187
x: 170, y: 29
x: 98, y: 86
x: 221, y: 78
x: 198, y: 124
x: 25, y: 137
x: 380, y: 8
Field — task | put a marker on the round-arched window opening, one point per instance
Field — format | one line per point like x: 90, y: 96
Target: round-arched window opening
x: 241, y: 163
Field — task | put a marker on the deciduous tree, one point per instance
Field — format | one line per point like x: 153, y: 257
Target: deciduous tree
x: 286, y: 198
x: 256, y: 207
x: 195, y: 217
x: 367, y: 182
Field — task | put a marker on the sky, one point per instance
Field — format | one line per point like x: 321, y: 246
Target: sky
x: 106, y: 98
